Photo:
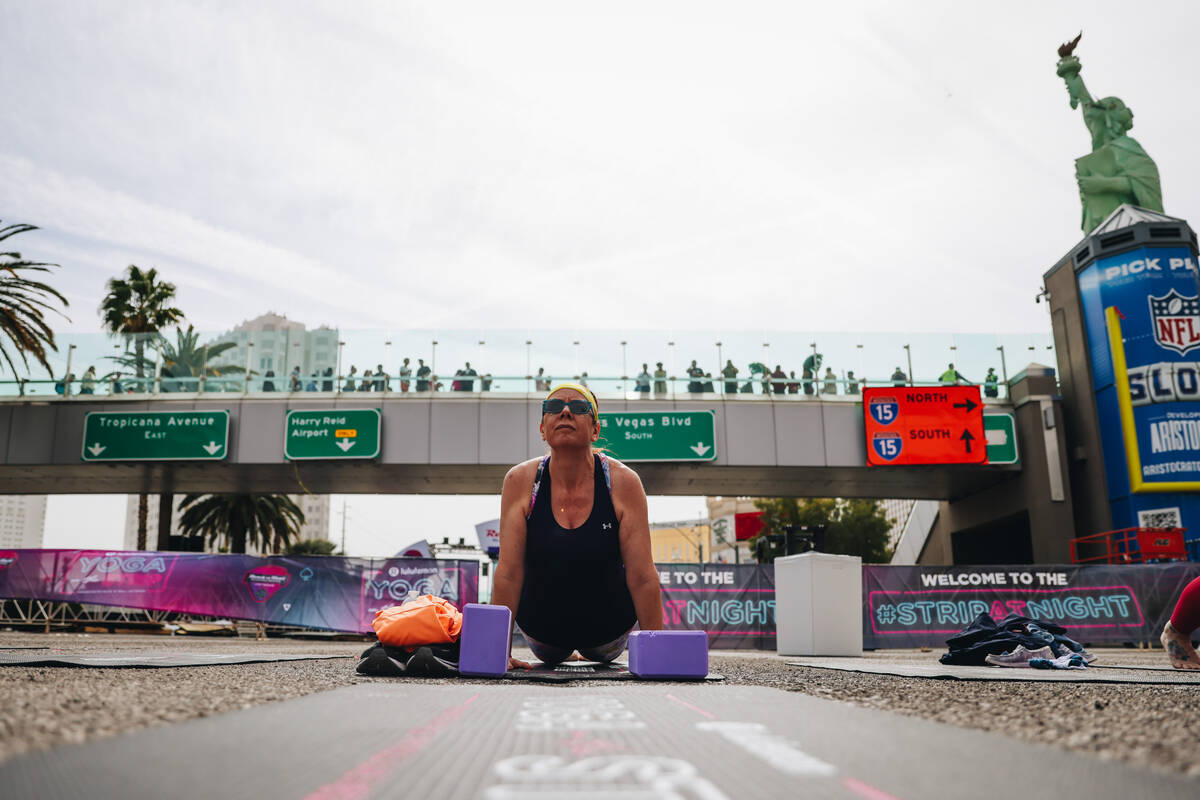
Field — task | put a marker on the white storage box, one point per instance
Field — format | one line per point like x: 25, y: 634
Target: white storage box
x: 818, y: 605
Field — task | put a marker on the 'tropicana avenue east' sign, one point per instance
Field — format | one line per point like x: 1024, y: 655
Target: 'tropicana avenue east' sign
x: 156, y: 436
x: 924, y: 425
x: 659, y: 435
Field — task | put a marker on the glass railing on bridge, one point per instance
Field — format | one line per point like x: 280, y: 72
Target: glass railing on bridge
x: 651, y: 364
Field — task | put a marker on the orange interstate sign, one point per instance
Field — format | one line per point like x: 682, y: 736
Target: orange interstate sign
x: 924, y: 425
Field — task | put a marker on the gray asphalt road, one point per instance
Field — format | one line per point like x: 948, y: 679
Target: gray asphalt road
x: 512, y: 741
x: 1154, y: 726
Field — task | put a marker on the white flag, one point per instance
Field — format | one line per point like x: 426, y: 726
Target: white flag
x: 418, y: 549
x: 489, y: 536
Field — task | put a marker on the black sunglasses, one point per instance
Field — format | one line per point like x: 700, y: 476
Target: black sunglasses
x: 555, y: 405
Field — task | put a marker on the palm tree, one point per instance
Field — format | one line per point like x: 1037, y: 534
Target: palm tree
x: 185, y: 358
x: 268, y: 520
x: 23, y: 305
x: 138, y: 305
x: 134, y: 307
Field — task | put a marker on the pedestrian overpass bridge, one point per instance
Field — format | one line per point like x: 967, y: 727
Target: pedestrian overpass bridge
x: 463, y: 443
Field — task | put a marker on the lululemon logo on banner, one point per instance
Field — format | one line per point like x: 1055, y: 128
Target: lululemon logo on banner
x: 266, y: 581
x: 7, y: 558
x: 1176, y: 321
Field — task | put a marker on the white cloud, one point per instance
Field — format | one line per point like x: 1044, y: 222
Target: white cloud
x: 422, y: 166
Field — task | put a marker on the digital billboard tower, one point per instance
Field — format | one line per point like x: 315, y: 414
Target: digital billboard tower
x: 1125, y: 308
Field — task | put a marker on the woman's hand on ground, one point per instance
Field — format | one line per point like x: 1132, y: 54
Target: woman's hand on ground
x: 516, y: 663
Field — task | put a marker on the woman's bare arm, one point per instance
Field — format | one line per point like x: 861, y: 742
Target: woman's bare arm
x: 509, y: 576
x: 633, y: 518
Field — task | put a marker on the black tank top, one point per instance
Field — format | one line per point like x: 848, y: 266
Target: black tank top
x: 574, y: 593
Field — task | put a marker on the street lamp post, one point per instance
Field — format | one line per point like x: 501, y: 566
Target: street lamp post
x: 528, y: 364
x: 624, y: 369
x: 67, y: 374
x: 671, y: 350
x: 338, y: 387
x: 479, y: 361
x: 112, y: 389
x: 286, y: 376
x: 1003, y: 367
x: 767, y: 363
x: 908, y: 355
x: 245, y: 374
x: 387, y: 360
x: 720, y: 366
x: 816, y: 374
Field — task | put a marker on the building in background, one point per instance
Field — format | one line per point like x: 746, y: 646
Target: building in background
x: 682, y: 542
x: 897, y: 513
x: 314, y: 506
x: 721, y: 511
x: 22, y: 520
x: 279, y: 345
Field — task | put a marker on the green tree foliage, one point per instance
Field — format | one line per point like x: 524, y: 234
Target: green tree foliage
x: 139, y: 304
x: 852, y: 527
x: 270, y: 521
x: 23, y: 303
x: 135, y: 306
x: 187, y: 358
x: 311, y: 547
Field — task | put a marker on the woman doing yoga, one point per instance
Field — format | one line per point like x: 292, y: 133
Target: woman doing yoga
x: 575, y: 563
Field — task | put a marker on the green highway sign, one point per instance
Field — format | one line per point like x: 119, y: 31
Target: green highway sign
x: 1000, y: 430
x: 340, y: 433
x: 659, y: 435
x: 156, y: 436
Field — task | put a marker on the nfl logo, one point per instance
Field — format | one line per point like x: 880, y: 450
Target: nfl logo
x: 884, y: 410
x: 1176, y: 321
x: 887, y: 445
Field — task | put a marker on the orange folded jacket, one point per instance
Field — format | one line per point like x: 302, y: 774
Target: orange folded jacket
x: 426, y: 620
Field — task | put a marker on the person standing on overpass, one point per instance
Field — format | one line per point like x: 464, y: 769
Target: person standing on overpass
x: 952, y: 377
x: 730, y: 372
x: 575, y: 562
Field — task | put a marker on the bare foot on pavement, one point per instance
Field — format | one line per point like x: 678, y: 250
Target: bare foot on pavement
x: 1179, y: 649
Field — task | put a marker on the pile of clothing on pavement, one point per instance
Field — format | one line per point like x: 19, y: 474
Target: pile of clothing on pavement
x: 1015, y: 641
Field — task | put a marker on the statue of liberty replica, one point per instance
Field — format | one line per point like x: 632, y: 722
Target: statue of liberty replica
x: 1117, y: 170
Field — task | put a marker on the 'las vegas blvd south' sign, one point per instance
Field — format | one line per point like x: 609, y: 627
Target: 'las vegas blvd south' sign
x: 156, y: 436
x: 924, y: 425
x: 659, y: 435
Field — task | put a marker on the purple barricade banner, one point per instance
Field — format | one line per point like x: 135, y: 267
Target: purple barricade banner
x: 923, y: 606
x: 902, y: 606
x: 327, y: 592
x: 734, y: 603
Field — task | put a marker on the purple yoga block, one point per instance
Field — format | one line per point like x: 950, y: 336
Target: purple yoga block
x: 668, y: 654
x: 485, y: 641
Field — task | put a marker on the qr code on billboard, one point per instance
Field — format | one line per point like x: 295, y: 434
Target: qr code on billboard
x: 1159, y: 518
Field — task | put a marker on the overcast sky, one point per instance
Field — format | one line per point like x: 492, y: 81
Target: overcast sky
x: 859, y: 166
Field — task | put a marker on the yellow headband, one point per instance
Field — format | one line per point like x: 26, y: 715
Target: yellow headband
x: 583, y: 390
